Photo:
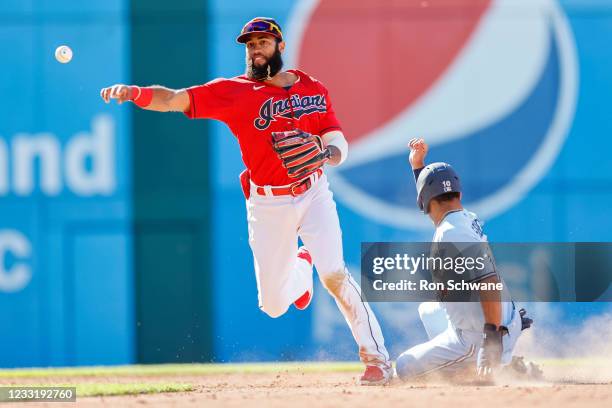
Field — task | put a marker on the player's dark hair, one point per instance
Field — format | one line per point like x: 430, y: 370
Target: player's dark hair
x: 447, y: 197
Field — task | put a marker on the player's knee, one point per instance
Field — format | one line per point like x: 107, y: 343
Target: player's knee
x: 333, y: 281
x: 274, y: 309
x: 429, y: 308
x: 433, y: 317
x: 407, y: 366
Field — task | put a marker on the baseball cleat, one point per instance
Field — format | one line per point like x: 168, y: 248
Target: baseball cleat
x: 304, y: 254
x: 304, y: 301
x: 375, y: 375
x: 519, y: 369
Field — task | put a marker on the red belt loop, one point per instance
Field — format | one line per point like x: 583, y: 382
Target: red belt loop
x: 294, y: 189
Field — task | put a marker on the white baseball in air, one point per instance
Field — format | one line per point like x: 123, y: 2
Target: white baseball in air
x: 63, y: 54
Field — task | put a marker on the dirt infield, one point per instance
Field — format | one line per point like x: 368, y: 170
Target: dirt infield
x: 308, y: 389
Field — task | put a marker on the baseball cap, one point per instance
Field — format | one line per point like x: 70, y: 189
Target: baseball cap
x: 264, y: 25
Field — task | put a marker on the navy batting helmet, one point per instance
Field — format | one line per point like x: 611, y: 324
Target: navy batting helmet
x: 434, y: 180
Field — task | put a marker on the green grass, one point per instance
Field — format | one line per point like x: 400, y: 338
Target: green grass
x: 86, y: 389
x: 104, y: 389
x: 181, y: 369
x: 247, y: 368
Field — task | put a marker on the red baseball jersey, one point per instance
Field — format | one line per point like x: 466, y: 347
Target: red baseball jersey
x: 253, y: 110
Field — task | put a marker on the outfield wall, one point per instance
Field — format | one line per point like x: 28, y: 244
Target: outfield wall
x: 66, y: 291
x: 123, y: 234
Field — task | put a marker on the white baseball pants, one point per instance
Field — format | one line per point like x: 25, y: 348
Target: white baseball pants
x: 449, y: 349
x: 274, y: 226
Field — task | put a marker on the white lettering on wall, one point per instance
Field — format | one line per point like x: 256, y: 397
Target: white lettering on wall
x: 100, y: 148
x: 19, y: 274
x: 86, y: 166
x: 27, y: 148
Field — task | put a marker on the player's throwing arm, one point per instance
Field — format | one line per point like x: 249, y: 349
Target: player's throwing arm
x: 156, y: 98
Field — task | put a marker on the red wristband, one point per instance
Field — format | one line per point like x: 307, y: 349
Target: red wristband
x: 141, y: 96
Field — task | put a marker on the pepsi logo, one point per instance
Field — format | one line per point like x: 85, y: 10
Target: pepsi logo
x: 490, y: 84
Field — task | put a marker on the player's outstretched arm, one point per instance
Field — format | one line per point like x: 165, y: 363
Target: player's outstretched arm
x: 418, y: 151
x: 156, y: 98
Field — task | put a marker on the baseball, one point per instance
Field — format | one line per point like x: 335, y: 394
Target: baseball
x: 63, y: 54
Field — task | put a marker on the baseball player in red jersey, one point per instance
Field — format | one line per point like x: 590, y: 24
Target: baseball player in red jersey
x: 287, y: 131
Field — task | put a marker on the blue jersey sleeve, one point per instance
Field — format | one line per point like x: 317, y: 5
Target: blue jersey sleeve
x: 416, y: 173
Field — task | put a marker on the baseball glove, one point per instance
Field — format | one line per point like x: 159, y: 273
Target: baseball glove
x: 526, y: 322
x: 300, y: 152
x: 489, y: 355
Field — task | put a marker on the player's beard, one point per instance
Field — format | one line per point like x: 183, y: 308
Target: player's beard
x: 271, y: 67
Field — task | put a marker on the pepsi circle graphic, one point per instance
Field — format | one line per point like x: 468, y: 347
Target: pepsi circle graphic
x: 490, y: 84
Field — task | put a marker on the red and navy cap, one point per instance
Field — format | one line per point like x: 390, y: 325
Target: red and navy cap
x: 264, y: 25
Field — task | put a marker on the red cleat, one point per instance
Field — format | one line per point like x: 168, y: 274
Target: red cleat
x: 304, y: 301
x: 304, y: 254
x: 375, y: 375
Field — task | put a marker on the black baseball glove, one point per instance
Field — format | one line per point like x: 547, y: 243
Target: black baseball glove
x: 526, y: 322
x: 300, y: 152
x: 489, y: 355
